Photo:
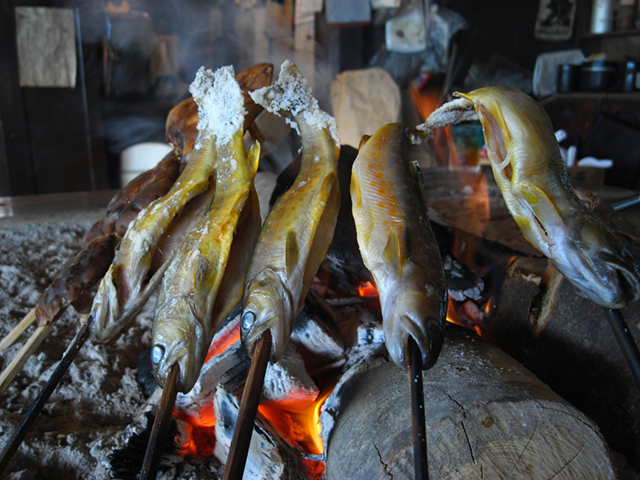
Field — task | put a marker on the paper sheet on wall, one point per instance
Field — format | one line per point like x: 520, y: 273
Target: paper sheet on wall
x: 46, y: 39
x: 362, y: 101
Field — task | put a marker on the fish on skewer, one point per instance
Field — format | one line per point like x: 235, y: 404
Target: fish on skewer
x: 299, y: 228
x: 126, y: 286
x: 528, y: 168
x: 185, y: 320
x: 390, y: 208
x: 81, y: 272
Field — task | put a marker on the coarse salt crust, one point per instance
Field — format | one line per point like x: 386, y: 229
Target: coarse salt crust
x: 220, y: 104
x: 291, y: 97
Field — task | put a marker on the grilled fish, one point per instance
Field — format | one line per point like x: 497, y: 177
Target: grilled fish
x: 300, y: 226
x: 529, y: 171
x: 126, y: 287
x: 389, y: 207
x: 183, y: 326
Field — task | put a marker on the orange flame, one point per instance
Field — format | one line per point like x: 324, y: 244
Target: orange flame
x: 298, y: 421
x: 367, y: 289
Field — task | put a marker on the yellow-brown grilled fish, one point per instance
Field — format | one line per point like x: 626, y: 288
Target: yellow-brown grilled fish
x: 397, y: 245
x: 298, y: 230
x: 184, y: 324
x: 529, y: 170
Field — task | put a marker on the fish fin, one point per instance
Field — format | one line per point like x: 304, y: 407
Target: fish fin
x: 418, y: 180
x: 293, y: 252
x: 253, y: 157
x: 391, y: 253
x: 364, y: 139
x: 542, y: 206
x: 324, y: 231
x: 355, y: 190
x: 245, y: 237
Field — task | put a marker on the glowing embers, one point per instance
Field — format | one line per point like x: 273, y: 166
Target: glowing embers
x: 287, y: 429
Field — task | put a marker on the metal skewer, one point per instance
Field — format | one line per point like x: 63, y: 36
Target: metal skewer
x: 48, y: 388
x: 626, y: 342
x: 420, y: 460
x: 241, y: 439
x: 161, y: 424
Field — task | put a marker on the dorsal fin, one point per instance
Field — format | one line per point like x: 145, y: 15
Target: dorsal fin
x: 293, y: 252
x: 363, y: 140
x: 253, y: 157
x: 355, y: 190
x: 418, y: 181
x: 391, y: 254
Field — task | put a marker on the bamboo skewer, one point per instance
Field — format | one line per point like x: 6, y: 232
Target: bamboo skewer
x: 46, y: 391
x: 241, y: 439
x: 161, y: 424
x: 9, y: 373
x: 420, y: 460
x: 626, y: 342
x: 13, y: 335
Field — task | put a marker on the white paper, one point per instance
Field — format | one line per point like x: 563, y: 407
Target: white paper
x: 46, y: 39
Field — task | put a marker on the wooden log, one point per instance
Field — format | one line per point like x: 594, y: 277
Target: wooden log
x: 486, y: 415
x: 567, y: 342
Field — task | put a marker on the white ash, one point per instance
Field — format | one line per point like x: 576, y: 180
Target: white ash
x: 80, y: 424
x: 264, y: 461
x: 288, y: 379
x: 320, y: 346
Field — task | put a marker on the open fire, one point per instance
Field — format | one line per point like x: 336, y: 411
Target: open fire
x: 337, y: 341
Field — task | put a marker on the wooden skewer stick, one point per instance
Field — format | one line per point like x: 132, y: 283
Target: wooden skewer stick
x: 241, y: 439
x: 9, y: 373
x: 161, y: 424
x: 626, y: 342
x: 13, y: 335
x: 420, y: 460
x: 36, y: 407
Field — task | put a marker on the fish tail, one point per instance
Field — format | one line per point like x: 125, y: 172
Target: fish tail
x: 291, y: 97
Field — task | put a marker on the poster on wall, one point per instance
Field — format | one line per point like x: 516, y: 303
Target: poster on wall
x: 554, y: 22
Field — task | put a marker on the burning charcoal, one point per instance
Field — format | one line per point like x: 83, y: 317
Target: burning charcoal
x: 21, y: 475
x: 264, y: 461
x: 126, y: 462
x: 318, y: 345
x: 288, y: 380
x: 462, y: 282
x: 226, y: 365
x: 370, y: 335
x: 144, y: 374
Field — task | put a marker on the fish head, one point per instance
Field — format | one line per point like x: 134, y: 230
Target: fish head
x: 174, y: 341
x: 594, y: 260
x: 418, y: 313
x: 266, y: 305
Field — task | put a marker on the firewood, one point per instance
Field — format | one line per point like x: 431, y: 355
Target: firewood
x: 486, y: 415
x: 566, y: 340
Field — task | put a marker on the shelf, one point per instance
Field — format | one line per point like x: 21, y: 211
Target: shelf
x: 615, y: 34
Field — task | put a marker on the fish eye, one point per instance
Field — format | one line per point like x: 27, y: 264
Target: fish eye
x: 247, y: 321
x: 157, y: 354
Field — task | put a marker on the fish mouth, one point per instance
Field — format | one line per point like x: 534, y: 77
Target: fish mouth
x: 609, y: 279
x: 624, y: 277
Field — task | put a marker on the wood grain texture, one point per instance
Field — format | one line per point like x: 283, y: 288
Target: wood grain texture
x: 487, y: 417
